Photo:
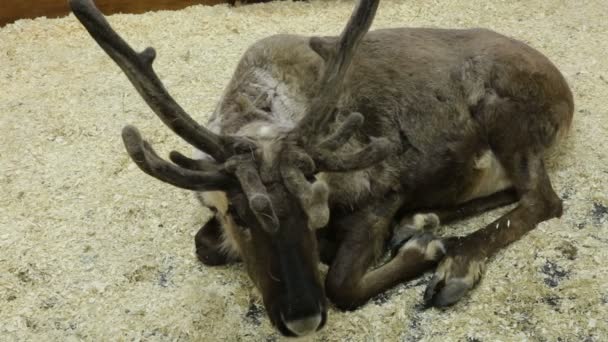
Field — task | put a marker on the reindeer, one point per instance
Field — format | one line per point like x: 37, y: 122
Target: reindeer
x: 319, y: 145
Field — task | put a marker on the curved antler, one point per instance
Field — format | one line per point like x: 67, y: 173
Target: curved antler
x: 188, y: 173
x: 138, y: 68
x: 142, y: 153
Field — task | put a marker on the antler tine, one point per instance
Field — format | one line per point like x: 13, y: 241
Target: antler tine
x: 138, y: 68
x: 259, y: 201
x: 313, y: 197
x: 142, y: 153
x: 295, y: 165
x: 373, y: 153
x: 343, y: 133
x: 195, y: 164
x: 337, y: 58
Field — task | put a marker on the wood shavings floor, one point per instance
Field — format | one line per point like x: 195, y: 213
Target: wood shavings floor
x: 92, y: 249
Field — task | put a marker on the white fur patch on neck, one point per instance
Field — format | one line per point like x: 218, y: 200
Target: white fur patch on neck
x: 219, y: 201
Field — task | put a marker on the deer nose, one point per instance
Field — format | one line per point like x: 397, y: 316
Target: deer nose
x: 304, y: 326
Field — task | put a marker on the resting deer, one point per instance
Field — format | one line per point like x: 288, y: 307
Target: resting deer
x: 343, y: 136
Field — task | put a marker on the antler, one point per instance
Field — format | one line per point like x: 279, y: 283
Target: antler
x: 138, y: 68
x: 299, y: 162
x: 337, y: 56
x: 187, y: 174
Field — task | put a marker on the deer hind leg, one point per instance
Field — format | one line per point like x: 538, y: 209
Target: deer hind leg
x: 462, y: 267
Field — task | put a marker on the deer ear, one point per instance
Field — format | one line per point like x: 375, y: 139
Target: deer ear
x: 208, y: 242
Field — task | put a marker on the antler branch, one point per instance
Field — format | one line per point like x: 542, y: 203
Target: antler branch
x: 259, y: 201
x: 373, y: 153
x: 138, y: 68
x: 195, y: 164
x: 142, y: 153
x: 337, y: 55
x: 312, y: 197
x: 343, y: 133
x: 337, y: 58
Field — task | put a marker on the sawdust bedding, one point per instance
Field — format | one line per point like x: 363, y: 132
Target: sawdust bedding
x: 93, y: 249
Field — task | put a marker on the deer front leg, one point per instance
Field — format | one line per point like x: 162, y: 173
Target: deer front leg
x: 414, y: 249
x: 349, y: 282
x: 462, y: 267
x: 419, y: 223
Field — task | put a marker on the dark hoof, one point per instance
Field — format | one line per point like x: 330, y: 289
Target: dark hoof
x: 454, y: 278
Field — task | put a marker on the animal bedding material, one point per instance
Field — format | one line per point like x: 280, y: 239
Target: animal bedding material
x: 93, y: 249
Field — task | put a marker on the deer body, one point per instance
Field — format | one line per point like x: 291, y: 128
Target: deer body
x: 423, y: 87
x: 320, y: 144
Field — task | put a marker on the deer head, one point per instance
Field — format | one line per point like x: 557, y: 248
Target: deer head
x: 274, y: 197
